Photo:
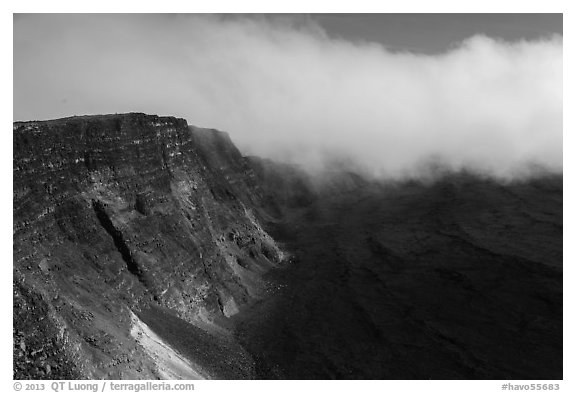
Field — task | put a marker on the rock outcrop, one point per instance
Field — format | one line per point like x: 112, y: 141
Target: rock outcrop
x: 129, y: 212
x: 146, y: 248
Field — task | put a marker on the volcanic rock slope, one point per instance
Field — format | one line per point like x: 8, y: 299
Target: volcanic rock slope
x: 145, y: 248
x: 460, y: 278
x: 118, y: 219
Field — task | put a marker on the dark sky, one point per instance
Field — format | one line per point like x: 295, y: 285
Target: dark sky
x: 433, y: 33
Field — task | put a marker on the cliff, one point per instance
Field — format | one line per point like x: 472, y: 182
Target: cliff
x: 129, y: 212
x: 147, y: 248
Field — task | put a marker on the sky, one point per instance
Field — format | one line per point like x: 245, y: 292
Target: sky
x: 436, y: 33
x: 389, y: 94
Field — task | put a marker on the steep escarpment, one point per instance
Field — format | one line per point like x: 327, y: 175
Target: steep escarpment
x: 146, y: 248
x: 130, y: 213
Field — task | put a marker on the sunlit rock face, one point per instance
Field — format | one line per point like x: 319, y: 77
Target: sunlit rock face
x: 147, y: 248
x: 121, y: 212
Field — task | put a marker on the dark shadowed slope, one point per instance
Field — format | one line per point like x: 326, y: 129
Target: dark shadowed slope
x: 459, y: 279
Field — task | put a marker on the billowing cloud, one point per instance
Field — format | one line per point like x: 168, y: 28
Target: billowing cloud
x: 283, y: 89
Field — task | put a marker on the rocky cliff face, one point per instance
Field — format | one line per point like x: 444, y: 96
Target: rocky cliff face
x: 139, y: 252
x: 129, y: 212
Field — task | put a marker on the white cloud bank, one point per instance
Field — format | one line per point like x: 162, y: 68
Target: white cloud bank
x: 285, y: 90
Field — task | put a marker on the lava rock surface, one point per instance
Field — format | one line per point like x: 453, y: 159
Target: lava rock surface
x: 253, y: 269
